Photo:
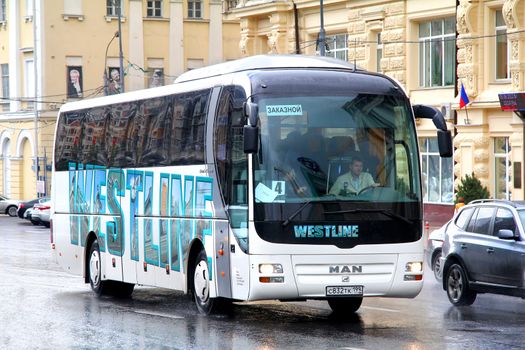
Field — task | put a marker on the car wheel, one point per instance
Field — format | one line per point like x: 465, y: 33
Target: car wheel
x: 98, y: 286
x: 436, y: 266
x: 200, y: 288
x: 458, y: 291
x: 12, y: 211
x: 345, y: 306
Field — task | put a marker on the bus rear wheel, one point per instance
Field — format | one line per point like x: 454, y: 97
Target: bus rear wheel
x: 98, y: 286
x: 344, y: 306
x: 200, y: 288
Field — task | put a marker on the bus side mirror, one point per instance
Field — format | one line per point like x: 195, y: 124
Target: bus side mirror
x: 444, y: 135
x: 251, y: 131
x: 251, y: 139
x: 445, y: 143
x: 251, y: 110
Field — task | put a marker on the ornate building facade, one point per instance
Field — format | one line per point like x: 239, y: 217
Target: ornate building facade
x: 422, y: 44
x: 66, y: 50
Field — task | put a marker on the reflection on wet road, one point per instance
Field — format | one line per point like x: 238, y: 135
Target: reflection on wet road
x: 44, y: 307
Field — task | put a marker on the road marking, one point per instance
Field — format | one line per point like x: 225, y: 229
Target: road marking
x: 159, y: 314
x: 379, y: 309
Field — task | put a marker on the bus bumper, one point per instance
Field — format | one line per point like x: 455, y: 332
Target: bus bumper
x: 308, y: 276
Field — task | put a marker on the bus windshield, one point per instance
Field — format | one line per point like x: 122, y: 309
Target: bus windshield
x: 355, y: 147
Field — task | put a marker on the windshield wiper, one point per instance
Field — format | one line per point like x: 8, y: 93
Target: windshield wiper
x: 386, y: 212
x: 287, y: 221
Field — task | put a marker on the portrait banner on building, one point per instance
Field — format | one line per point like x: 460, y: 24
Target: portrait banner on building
x: 74, y: 82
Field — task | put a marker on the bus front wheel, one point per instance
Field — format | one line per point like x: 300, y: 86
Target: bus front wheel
x: 343, y: 306
x: 200, y: 288
x: 95, y: 271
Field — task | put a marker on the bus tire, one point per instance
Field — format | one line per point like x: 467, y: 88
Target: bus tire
x: 98, y: 286
x: 345, y: 306
x: 200, y: 288
x: 121, y: 290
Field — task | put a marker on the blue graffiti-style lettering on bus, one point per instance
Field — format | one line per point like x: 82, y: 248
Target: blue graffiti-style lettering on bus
x: 326, y: 231
x: 180, y: 217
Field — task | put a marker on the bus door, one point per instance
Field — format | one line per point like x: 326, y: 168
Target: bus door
x: 232, y: 176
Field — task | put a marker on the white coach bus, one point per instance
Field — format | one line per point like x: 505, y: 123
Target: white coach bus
x: 240, y: 182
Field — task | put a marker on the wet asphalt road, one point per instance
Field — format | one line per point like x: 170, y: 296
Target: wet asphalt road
x: 43, y: 307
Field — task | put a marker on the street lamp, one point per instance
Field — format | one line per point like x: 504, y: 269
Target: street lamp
x: 106, y: 80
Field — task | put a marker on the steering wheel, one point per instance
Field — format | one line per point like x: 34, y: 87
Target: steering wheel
x: 367, y: 188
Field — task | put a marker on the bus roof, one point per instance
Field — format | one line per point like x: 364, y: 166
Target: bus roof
x: 265, y: 62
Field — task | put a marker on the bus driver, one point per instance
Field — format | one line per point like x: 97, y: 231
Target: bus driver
x: 354, y: 181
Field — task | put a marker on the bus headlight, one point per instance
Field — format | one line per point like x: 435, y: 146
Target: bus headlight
x: 414, y: 267
x: 267, y: 269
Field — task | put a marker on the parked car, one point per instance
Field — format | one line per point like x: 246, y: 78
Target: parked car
x: 483, y: 251
x: 433, y: 250
x: 40, y: 213
x: 22, y: 208
x: 8, y: 206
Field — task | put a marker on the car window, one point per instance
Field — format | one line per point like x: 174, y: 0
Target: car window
x: 483, y: 219
x: 463, y: 217
x: 504, y: 220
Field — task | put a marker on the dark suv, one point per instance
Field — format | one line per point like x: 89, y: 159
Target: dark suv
x: 484, y: 251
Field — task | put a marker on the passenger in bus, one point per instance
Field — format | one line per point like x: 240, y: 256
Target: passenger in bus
x: 291, y: 167
x: 354, y: 181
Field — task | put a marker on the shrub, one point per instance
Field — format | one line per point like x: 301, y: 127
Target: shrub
x: 470, y: 188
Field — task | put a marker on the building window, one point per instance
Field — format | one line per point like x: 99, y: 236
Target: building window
x: 4, y: 101
x: 194, y: 9
x: 502, y: 48
x: 29, y: 82
x: 154, y: 8
x: 73, y: 7
x: 337, y: 46
x: 437, y: 54
x: 29, y: 8
x: 438, y: 184
x: 379, y: 52
x: 3, y: 15
x: 112, y: 7
x: 501, y: 168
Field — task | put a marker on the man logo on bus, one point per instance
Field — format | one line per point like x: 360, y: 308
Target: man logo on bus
x: 345, y: 269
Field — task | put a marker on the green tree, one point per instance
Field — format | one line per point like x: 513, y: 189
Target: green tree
x: 470, y: 188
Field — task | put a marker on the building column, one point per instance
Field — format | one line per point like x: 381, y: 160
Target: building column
x: 16, y: 178
x: 215, y: 50
x: 277, y: 43
x: 176, y: 39
x: 14, y: 55
x: 136, y: 45
x: 246, y: 45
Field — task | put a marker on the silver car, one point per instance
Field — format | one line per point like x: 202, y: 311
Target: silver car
x: 8, y: 206
x: 434, y: 249
x: 40, y: 214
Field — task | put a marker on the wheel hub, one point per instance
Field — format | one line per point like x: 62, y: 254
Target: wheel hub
x: 201, y: 282
x: 94, y: 268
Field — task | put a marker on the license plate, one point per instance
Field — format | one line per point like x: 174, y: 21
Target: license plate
x: 346, y: 290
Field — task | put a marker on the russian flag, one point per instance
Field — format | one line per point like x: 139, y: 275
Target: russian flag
x: 463, y: 97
